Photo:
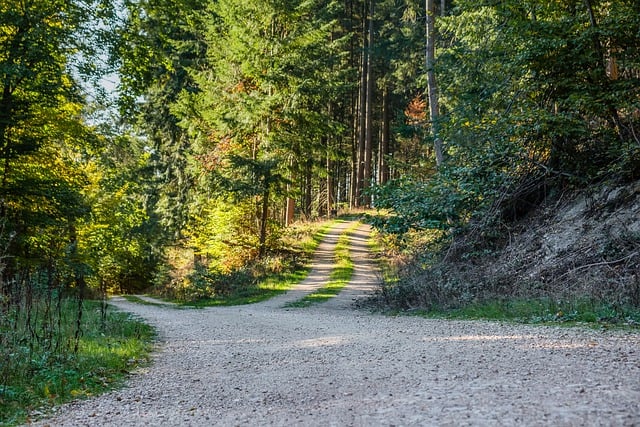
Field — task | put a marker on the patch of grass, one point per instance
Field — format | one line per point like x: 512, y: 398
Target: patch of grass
x: 137, y: 300
x: 306, y: 240
x: 36, y: 377
x: 340, y: 275
x: 544, y: 311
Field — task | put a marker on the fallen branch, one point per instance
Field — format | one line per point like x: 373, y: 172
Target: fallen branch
x: 597, y: 264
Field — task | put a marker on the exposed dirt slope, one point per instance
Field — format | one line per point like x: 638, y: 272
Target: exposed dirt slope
x: 584, y: 245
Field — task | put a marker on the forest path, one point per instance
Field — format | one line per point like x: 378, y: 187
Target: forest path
x: 363, y: 282
x: 332, y: 365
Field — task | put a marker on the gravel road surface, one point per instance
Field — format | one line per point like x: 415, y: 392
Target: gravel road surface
x: 333, y: 365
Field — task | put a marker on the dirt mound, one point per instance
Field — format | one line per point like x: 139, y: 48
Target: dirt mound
x: 585, y: 245
x: 576, y: 247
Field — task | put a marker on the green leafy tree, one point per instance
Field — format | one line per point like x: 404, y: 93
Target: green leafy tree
x: 261, y: 103
x: 42, y: 134
x: 528, y: 96
x: 159, y: 41
x: 116, y: 238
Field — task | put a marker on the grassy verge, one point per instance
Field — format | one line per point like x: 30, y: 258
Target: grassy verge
x: 417, y: 283
x: 37, y: 376
x: 544, y: 311
x: 340, y: 276
x: 141, y: 301
x: 272, y: 283
x: 540, y: 310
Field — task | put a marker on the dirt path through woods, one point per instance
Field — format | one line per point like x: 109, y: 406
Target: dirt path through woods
x: 333, y: 365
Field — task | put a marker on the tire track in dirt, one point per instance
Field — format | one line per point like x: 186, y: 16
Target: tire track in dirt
x: 321, y: 267
x: 365, y: 279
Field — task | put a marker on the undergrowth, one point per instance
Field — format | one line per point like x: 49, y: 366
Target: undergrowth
x: 573, y: 259
x: 260, y: 280
x: 36, y: 377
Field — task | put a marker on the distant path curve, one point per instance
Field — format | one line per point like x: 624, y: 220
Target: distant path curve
x: 331, y: 365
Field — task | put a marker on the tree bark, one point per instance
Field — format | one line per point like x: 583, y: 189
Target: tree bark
x: 434, y: 111
x: 351, y: 175
x: 368, y: 145
x: 362, y: 119
x: 602, y: 65
x: 290, y: 209
x: 330, y: 184
x: 383, y: 153
x: 308, y: 188
x: 263, y: 221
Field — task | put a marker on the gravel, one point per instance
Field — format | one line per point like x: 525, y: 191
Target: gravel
x: 334, y: 365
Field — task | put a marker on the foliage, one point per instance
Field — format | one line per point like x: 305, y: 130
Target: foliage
x: 37, y: 374
x: 235, y: 115
x: 568, y: 251
x: 114, y: 238
x: 527, y: 97
x: 224, y: 234
x: 67, y: 223
x: 206, y: 284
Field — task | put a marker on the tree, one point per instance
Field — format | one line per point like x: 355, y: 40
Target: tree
x: 434, y: 109
x: 526, y: 99
x: 262, y: 102
x: 368, y: 109
x: 158, y: 43
x: 42, y: 132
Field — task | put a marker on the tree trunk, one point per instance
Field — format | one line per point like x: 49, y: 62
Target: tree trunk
x: 353, y: 182
x: 308, y: 188
x: 6, y: 110
x: 362, y: 119
x: 321, y: 191
x: 602, y: 65
x: 383, y: 153
x: 263, y: 222
x: 368, y: 144
x: 329, y: 183
x: 350, y: 182
x: 434, y: 111
x: 290, y: 210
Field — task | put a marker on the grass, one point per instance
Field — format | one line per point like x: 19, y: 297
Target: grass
x: 272, y: 284
x: 544, y: 311
x: 340, y: 275
x: 268, y: 287
x: 36, y: 376
x: 141, y: 301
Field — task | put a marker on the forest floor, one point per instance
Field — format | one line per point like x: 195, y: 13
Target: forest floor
x: 334, y: 364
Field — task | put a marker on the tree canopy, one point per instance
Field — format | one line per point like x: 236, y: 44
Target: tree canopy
x: 236, y: 117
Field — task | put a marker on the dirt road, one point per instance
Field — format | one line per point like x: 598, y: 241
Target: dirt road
x: 332, y: 365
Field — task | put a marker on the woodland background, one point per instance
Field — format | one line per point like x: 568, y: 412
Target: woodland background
x: 229, y: 120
